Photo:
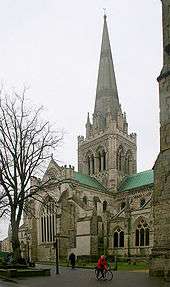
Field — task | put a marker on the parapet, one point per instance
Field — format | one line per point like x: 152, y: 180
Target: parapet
x: 69, y: 171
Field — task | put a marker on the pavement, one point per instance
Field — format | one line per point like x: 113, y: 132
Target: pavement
x: 86, y: 278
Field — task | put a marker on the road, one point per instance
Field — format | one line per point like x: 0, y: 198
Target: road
x: 86, y: 278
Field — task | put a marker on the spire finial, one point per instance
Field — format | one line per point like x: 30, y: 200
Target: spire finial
x: 104, y: 9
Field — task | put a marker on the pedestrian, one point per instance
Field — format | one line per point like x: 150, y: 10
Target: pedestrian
x: 72, y: 259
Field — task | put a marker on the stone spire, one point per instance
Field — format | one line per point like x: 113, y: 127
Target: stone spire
x: 106, y: 92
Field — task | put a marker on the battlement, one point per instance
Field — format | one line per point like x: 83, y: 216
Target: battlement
x: 69, y: 171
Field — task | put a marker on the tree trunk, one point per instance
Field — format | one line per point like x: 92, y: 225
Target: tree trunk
x: 16, y: 244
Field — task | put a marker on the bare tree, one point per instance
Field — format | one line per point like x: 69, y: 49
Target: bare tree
x: 26, y: 142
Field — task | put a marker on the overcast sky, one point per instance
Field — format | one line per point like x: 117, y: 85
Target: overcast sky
x: 53, y: 47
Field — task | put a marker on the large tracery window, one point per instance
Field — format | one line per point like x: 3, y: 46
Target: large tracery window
x: 118, y: 238
x: 142, y: 234
x: 47, y: 221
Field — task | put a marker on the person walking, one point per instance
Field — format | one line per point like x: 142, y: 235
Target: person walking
x: 72, y: 260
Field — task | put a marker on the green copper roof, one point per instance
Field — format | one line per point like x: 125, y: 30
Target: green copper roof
x: 137, y: 180
x: 89, y: 181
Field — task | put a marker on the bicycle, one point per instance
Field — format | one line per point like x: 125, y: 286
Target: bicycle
x: 104, y: 274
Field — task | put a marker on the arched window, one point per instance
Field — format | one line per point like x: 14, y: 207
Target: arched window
x: 104, y: 206
x: 88, y: 161
x: 47, y: 221
x: 123, y: 205
x: 104, y: 159
x: 142, y: 234
x: 120, y: 156
x: 92, y: 163
x: 85, y: 199
x: 99, y: 161
x: 118, y: 238
x: 128, y: 162
x: 142, y: 202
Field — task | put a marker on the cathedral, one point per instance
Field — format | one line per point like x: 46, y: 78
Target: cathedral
x: 106, y: 206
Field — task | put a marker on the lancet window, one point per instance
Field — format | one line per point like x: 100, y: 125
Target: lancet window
x: 118, y: 238
x: 120, y: 158
x: 90, y: 164
x: 101, y: 157
x: 128, y: 163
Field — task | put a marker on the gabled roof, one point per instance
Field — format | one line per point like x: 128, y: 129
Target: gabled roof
x: 137, y: 180
x: 89, y: 181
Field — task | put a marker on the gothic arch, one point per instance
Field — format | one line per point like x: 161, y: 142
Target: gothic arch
x: 118, y: 237
x: 101, y: 158
x: 89, y: 160
x: 120, y: 158
x: 128, y: 162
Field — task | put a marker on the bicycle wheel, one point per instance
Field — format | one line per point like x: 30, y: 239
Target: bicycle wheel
x: 109, y: 275
x: 98, y: 275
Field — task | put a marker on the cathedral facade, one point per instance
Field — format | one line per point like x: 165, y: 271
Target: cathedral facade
x: 105, y: 206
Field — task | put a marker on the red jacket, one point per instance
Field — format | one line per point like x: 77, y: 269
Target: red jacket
x: 102, y: 263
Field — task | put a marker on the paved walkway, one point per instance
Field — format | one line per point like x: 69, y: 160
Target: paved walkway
x: 86, y: 278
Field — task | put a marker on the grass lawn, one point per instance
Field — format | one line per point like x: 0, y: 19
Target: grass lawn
x: 124, y: 266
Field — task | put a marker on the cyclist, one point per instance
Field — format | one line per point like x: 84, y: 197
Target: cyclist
x: 101, y: 265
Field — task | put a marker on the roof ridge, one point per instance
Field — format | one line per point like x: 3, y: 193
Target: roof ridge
x: 135, y: 174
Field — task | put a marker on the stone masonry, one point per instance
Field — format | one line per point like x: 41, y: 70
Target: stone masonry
x: 160, y: 260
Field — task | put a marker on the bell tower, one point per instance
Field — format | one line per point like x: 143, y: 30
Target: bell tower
x: 160, y: 258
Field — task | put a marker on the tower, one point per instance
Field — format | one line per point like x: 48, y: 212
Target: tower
x: 107, y: 152
x: 160, y: 260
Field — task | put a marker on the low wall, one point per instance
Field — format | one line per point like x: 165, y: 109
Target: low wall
x: 13, y: 273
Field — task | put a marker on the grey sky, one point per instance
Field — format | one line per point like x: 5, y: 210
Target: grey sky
x: 53, y: 47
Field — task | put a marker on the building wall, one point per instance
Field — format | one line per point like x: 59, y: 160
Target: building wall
x: 87, y: 228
